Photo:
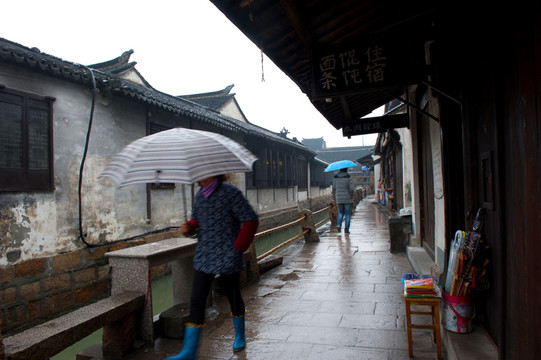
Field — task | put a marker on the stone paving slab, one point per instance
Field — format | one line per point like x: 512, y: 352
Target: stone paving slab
x: 340, y: 298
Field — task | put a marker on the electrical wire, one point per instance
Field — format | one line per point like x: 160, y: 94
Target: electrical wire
x: 83, y: 159
x: 81, y: 170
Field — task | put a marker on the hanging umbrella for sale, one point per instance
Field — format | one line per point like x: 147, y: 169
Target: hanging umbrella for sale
x: 178, y: 155
x: 342, y: 164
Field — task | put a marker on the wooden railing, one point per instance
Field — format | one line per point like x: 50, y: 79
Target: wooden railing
x: 307, y: 227
x: 323, y: 221
x: 131, y: 294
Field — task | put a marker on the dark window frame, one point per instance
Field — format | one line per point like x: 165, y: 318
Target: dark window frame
x: 275, y: 167
x: 24, y: 177
x: 302, y: 173
x: 318, y: 176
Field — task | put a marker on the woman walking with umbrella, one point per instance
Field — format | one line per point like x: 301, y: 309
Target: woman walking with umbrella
x: 225, y: 224
x: 222, y: 217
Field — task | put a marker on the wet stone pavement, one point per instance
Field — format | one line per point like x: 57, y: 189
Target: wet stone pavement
x: 336, y: 299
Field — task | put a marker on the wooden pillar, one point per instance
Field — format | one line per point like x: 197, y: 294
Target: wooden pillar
x: 333, y: 213
x: 308, y: 224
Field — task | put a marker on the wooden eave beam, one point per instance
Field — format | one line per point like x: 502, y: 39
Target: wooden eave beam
x: 245, y: 3
x: 297, y: 21
x: 345, y: 108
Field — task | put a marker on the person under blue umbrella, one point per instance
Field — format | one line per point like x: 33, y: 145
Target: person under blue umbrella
x: 225, y: 223
x: 343, y: 189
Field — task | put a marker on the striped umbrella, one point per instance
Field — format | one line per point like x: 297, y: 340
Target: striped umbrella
x: 178, y: 156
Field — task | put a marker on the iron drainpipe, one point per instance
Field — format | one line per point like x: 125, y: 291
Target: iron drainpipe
x: 149, y: 196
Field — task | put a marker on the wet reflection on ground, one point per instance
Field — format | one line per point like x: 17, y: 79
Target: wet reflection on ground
x: 340, y: 298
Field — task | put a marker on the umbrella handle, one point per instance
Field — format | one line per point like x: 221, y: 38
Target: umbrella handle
x: 184, y: 203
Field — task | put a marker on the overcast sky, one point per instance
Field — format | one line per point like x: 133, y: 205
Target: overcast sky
x: 180, y: 46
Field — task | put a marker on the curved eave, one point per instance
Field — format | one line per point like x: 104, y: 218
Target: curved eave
x: 35, y: 60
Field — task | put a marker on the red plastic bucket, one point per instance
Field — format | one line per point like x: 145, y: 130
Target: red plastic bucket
x: 456, y: 313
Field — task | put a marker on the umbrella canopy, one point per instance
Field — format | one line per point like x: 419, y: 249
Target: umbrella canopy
x: 337, y: 165
x: 178, y: 156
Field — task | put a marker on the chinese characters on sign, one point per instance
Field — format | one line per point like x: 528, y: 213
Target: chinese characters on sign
x: 358, y: 67
x: 376, y: 125
x: 368, y: 127
x: 347, y: 68
x: 376, y: 64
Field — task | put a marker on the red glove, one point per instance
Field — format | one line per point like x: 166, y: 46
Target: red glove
x: 189, y: 227
x: 246, y: 235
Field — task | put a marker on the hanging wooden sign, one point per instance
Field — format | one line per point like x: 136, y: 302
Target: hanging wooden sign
x: 376, y: 124
x: 358, y: 67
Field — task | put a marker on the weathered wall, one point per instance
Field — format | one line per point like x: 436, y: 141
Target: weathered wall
x: 407, y: 161
x: 232, y: 110
x: 45, y: 223
x: 318, y: 192
x: 34, y: 290
x: 45, y: 268
x: 439, y: 183
x: 269, y: 199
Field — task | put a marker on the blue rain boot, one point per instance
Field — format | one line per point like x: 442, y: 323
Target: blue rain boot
x: 240, y: 334
x: 190, y: 343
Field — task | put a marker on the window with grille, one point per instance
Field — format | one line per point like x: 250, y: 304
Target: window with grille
x: 274, y: 168
x: 302, y: 174
x: 26, y: 145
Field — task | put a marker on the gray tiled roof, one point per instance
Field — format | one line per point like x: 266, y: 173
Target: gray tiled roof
x: 315, y: 144
x: 344, y: 153
x: 105, y: 75
x: 214, y: 100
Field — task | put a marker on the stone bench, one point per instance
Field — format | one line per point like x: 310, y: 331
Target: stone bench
x: 113, y: 314
x: 130, y: 271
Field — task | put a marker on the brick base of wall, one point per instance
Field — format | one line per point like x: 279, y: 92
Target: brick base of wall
x: 36, y: 290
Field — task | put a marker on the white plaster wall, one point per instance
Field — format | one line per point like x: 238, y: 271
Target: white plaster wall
x: 377, y: 179
x: 407, y: 164
x: 232, y: 110
x: 269, y: 199
x: 408, y: 183
x: 318, y: 192
x: 439, y: 198
x: 46, y: 223
x: 303, y: 195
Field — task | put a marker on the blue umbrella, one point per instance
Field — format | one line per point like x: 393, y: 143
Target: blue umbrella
x: 365, y: 168
x: 337, y: 165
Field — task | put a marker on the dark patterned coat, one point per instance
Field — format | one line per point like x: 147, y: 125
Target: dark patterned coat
x: 220, y: 218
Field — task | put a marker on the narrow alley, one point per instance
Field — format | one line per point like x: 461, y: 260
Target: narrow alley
x: 336, y: 299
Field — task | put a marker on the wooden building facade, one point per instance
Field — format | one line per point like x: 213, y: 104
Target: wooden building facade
x: 469, y: 76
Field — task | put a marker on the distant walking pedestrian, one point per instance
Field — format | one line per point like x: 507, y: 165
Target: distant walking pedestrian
x: 342, y: 187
